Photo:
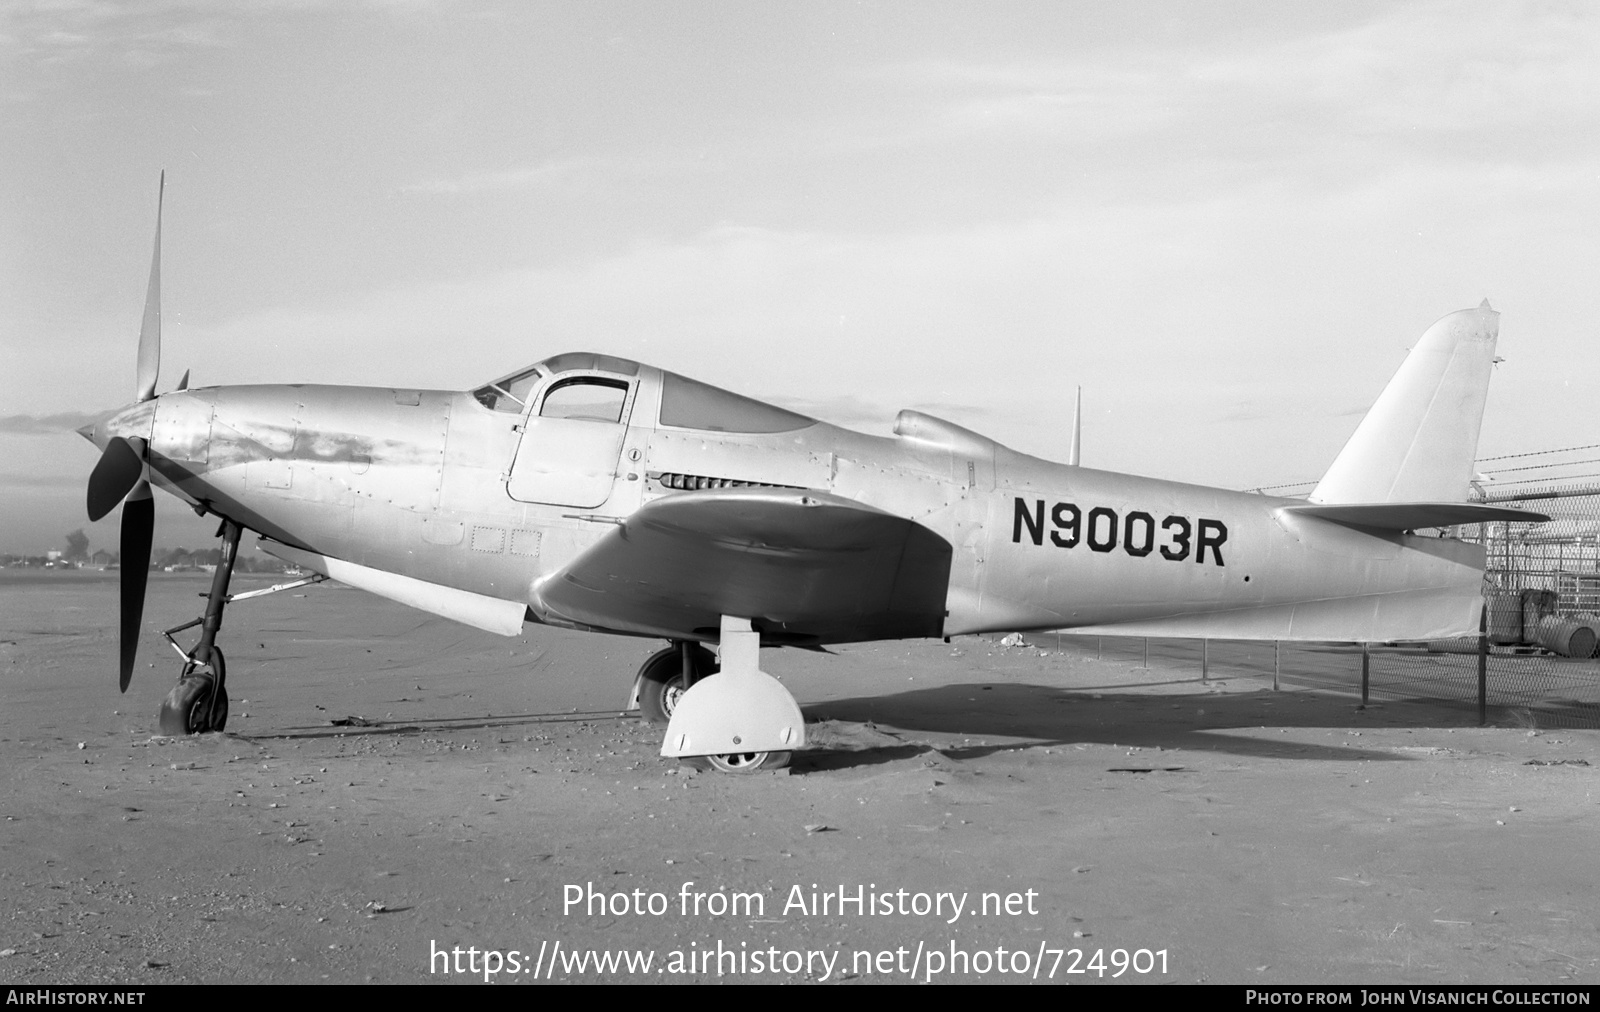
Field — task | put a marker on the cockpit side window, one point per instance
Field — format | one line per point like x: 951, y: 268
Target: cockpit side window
x: 587, y: 397
x: 509, y: 394
x: 690, y: 404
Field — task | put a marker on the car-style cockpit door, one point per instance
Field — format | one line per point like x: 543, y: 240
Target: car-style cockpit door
x: 571, y: 441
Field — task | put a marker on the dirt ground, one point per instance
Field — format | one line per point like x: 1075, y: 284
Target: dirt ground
x: 1181, y: 831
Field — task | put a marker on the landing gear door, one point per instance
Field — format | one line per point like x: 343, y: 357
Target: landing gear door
x: 571, y: 442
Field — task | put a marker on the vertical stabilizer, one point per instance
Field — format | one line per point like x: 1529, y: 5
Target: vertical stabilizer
x: 1418, y: 442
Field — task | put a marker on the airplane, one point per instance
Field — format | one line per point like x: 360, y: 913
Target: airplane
x: 593, y: 492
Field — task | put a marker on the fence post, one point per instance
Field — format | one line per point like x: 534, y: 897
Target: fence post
x: 1205, y: 660
x: 1483, y: 666
x: 1277, y: 665
x: 1147, y: 653
x: 1366, y: 670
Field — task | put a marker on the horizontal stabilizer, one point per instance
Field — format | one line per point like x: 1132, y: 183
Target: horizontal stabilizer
x: 1418, y: 442
x: 1412, y: 516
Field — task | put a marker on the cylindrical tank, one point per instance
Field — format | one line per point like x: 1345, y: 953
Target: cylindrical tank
x: 1505, y: 619
x: 1568, y: 637
x: 1536, y: 606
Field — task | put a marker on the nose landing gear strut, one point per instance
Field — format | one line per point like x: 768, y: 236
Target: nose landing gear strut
x: 199, y: 702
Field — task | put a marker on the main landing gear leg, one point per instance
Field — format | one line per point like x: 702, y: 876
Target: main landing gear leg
x: 199, y: 702
x: 742, y: 720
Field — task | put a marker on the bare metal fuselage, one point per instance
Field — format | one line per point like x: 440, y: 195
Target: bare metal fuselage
x: 439, y: 488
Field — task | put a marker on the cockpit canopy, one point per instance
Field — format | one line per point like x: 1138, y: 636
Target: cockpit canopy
x: 512, y: 393
x: 566, y: 386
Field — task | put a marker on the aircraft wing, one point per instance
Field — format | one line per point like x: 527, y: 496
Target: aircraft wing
x: 806, y: 567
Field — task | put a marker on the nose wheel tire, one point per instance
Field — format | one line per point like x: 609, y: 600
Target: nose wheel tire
x: 199, y: 702
x: 661, y: 682
x: 740, y: 762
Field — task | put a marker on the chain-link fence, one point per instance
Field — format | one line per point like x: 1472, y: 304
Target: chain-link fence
x: 1526, y: 686
x: 1541, y: 587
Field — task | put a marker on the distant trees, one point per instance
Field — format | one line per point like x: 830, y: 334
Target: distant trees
x: 161, y: 558
x: 183, y: 558
x: 77, y: 554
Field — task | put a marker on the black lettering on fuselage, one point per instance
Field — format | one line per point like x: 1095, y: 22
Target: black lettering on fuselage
x: 1212, y: 534
x: 1069, y: 518
x: 1179, y: 526
x: 1101, y: 528
x: 1138, y: 545
x: 1110, y: 518
x: 1033, y: 518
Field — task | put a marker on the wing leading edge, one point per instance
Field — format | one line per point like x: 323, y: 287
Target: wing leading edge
x: 806, y: 567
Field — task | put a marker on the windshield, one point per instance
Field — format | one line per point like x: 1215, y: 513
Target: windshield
x: 509, y: 393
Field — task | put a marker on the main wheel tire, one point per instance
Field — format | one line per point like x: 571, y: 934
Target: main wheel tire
x: 195, y: 705
x: 740, y: 762
x: 219, y: 710
x: 661, y: 682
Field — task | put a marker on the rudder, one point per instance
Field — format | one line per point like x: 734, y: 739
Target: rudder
x: 1420, y: 439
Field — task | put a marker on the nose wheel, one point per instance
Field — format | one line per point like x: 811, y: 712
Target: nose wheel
x: 199, y: 702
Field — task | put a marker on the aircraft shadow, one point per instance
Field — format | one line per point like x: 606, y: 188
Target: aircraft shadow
x: 1030, y: 716
x: 372, y: 726
x: 1047, y: 716
x: 818, y: 760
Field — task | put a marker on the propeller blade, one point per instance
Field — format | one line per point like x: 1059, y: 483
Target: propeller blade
x: 120, y: 468
x: 150, y: 329
x: 138, y: 529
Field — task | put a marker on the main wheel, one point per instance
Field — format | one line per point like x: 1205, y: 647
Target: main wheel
x: 740, y: 762
x: 661, y: 682
x: 195, y: 705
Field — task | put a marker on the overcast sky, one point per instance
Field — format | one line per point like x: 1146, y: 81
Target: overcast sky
x: 1226, y: 221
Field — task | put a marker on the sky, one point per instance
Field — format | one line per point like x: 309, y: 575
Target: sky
x: 1226, y: 221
